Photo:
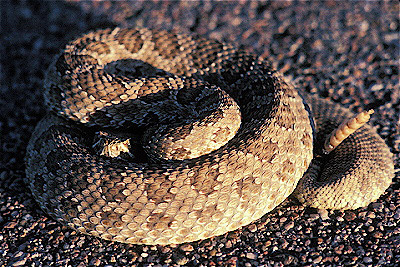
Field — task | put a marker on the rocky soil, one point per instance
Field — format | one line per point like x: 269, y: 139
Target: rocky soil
x: 346, y: 51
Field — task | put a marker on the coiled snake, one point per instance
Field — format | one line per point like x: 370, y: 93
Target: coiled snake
x: 105, y: 162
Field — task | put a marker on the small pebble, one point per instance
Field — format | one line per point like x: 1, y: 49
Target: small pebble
x: 251, y: 256
x: 349, y: 216
x: 323, y: 213
x: 252, y: 228
x: 317, y: 259
x: 186, y: 247
x: 367, y: 260
x: 289, y: 225
x: 377, y: 206
x: 19, y: 262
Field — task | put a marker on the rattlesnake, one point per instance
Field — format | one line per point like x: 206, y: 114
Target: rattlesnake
x: 120, y: 83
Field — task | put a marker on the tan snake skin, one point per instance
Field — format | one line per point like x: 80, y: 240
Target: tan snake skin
x: 255, y: 128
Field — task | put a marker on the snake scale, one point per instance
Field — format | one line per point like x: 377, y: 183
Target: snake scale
x: 155, y: 137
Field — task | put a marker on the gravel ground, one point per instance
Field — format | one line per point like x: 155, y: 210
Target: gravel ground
x: 344, y: 51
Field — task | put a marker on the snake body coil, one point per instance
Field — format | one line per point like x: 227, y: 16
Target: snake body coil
x: 178, y: 93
